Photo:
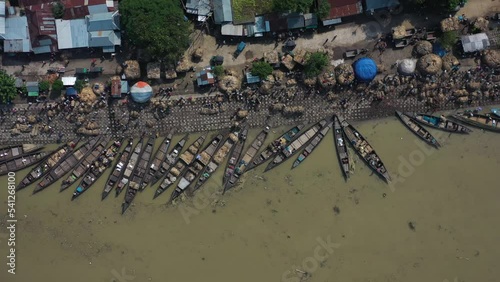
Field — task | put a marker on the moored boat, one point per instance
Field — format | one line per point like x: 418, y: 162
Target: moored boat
x: 441, y: 123
x: 71, y: 161
x: 235, y: 156
x: 365, y: 150
x: 312, y: 145
x: 47, y: 164
x: 197, y: 166
x: 486, y: 122
x: 170, y: 160
x: 129, y: 168
x: 84, y: 165
x: 180, y: 166
x: 247, y: 158
x: 296, y: 145
x: 118, y: 170
x: 11, y: 152
x: 275, y: 146
x: 340, y: 147
x: 97, y: 169
x: 417, y: 129
x: 22, y: 162
x: 157, y: 160
x: 136, y: 181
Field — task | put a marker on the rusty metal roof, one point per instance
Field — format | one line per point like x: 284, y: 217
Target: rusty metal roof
x: 344, y: 8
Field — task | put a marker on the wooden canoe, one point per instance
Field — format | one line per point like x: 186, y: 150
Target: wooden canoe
x: 12, y: 152
x: 170, y: 160
x: 157, y: 160
x: 118, y: 170
x: 22, y: 162
x: 417, y: 129
x: 341, y: 147
x: 441, y: 123
x: 312, y: 145
x: 129, y: 168
x: 235, y: 157
x: 486, y: 122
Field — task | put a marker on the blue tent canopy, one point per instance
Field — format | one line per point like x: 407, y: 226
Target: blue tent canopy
x: 71, y: 91
x: 365, y: 69
x: 438, y: 49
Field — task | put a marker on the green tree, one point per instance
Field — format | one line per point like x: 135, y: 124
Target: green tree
x: 261, y: 69
x: 323, y: 9
x: 79, y: 84
x: 315, y: 64
x: 57, y: 86
x: 448, y: 39
x: 157, y: 26
x: 302, y: 6
x: 8, y: 89
x: 219, y: 71
x: 58, y: 10
x: 44, y: 86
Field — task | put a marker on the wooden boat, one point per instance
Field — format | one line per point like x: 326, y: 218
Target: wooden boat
x: 485, y: 122
x: 22, y: 162
x: 169, y: 160
x: 67, y: 164
x: 235, y: 156
x: 129, y: 168
x: 84, y: 165
x: 218, y: 158
x: 47, y: 164
x: 136, y: 181
x: 340, y: 147
x: 275, y: 146
x: 157, y: 160
x: 298, y: 143
x: 365, y: 150
x: 12, y: 152
x: 417, y: 129
x: 247, y: 158
x: 198, y: 165
x: 180, y: 166
x: 118, y: 171
x: 312, y: 145
x: 97, y: 169
x: 441, y: 123
x: 495, y: 112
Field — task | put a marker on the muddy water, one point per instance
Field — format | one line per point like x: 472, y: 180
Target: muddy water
x: 279, y: 224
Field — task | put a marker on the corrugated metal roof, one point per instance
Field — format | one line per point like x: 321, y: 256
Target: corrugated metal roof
x: 344, y: 8
x: 17, y: 38
x: 222, y: 11
x: 76, y: 9
x: 372, y: 5
x: 105, y: 38
x: 198, y: 7
x: 310, y: 20
x: 276, y: 23
x: 32, y: 86
x: 2, y: 8
x: 205, y: 77
x: 124, y: 87
x: 295, y: 21
x: 72, y: 34
x: 2, y: 18
x: 232, y: 30
x: 475, y: 42
x: 103, y: 21
x: 261, y: 25
x: 97, y: 9
x: 252, y: 78
x: 68, y: 80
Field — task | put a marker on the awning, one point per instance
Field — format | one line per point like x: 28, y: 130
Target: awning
x: 32, y: 94
x: 68, y: 80
x: 108, y: 49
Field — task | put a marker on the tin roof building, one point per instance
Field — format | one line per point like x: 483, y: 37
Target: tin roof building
x: 223, y: 13
x: 342, y: 8
x: 72, y: 34
x: 202, y: 8
x: 104, y: 31
x: 16, y: 37
x: 205, y: 77
x: 2, y: 18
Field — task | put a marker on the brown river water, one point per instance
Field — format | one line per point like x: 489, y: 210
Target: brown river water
x: 437, y: 221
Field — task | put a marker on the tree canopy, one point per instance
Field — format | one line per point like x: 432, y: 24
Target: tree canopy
x: 8, y: 90
x: 157, y: 26
x: 261, y: 69
x: 315, y: 64
x: 58, y: 10
x: 219, y: 71
x: 302, y: 6
x: 323, y: 9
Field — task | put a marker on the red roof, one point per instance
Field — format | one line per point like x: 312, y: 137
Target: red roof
x: 41, y: 25
x: 344, y: 8
x: 77, y: 9
x: 27, y: 3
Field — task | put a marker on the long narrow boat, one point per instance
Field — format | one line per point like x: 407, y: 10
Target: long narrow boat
x: 22, y: 162
x: 365, y: 150
x: 169, y: 160
x: 247, y: 158
x: 275, y: 146
x: 235, y: 156
x: 340, y: 147
x: 198, y: 165
x: 485, y: 122
x: 136, y: 181
x: 97, y: 169
x: 158, y: 159
x: 218, y: 158
x: 12, y: 152
x: 298, y: 143
x: 180, y: 165
x: 495, y: 112
x: 417, y: 129
x: 118, y: 170
x: 84, y: 165
x: 67, y: 164
x: 129, y: 168
x: 47, y: 164
x: 312, y: 145
x: 441, y: 123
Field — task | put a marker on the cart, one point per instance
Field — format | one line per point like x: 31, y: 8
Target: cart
x: 401, y: 43
x: 57, y: 70
x: 430, y: 36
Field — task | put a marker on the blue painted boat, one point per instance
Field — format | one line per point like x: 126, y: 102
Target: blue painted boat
x: 495, y: 112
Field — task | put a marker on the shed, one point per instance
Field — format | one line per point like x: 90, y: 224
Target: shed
x: 2, y: 18
x: 72, y: 34
x: 198, y: 7
x: 19, y: 82
x: 295, y: 21
x: 106, y: 39
x: 33, y: 89
x: 223, y: 12
x: 365, y: 69
x: 372, y: 5
x: 124, y: 86
x: 16, y: 37
x: 232, y: 30
x: 103, y: 21
x: 260, y: 27
x: 141, y: 92
x: 205, y: 77
x: 116, y: 91
x: 475, y: 42
x: 252, y: 78
x: 68, y: 80
x: 310, y: 21
x: 342, y: 8
x: 70, y: 91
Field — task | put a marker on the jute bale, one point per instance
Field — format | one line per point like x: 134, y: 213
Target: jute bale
x: 266, y: 87
x: 344, y: 74
x: 229, y: 83
x: 271, y: 57
x: 491, y: 58
x: 309, y: 81
x: 242, y: 114
x: 278, y: 75
x: 300, y: 56
x: 175, y: 172
x: 207, y: 111
x: 327, y: 79
x: 198, y: 53
x: 450, y: 61
x: 183, y: 65
x: 398, y: 32
x: 481, y: 24
x: 153, y: 70
x: 233, y: 137
x: 288, y: 62
x: 277, y: 107
x: 291, y: 82
x: 430, y: 64
x: 132, y: 69
x: 422, y: 48
x: 87, y: 95
x: 170, y: 74
x: 450, y: 24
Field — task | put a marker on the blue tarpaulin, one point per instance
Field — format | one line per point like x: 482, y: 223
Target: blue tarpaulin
x: 438, y: 50
x: 365, y: 69
x: 71, y: 91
